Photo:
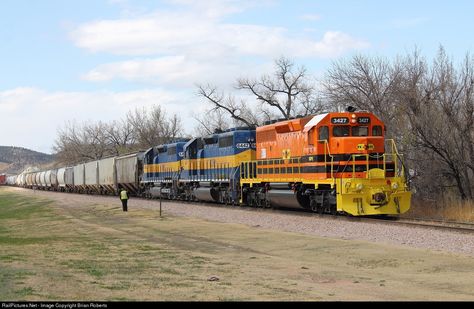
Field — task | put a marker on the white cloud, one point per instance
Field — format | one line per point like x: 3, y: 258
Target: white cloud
x: 218, y: 8
x: 32, y: 116
x: 183, y: 47
x: 179, y: 70
x: 334, y: 44
x: 144, y: 69
x: 169, y: 33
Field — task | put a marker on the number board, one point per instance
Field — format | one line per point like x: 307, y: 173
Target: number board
x: 363, y: 120
x: 340, y: 120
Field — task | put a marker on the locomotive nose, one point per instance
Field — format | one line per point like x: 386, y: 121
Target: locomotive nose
x: 358, y: 144
x: 369, y: 144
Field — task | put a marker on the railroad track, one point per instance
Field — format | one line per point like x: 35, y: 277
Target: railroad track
x: 439, y: 224
x: 466, y: 227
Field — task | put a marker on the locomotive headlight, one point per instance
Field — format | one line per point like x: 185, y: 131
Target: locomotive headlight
x: 359, y: 187
x: 395, y: 186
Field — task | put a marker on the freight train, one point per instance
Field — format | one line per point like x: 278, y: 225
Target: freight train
x: 336, y: 162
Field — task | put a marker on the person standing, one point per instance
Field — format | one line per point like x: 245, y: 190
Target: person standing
x: 124, y: 198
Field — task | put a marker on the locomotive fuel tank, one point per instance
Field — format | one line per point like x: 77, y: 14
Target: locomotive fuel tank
x: 206, y: 194
x: 283, y: 198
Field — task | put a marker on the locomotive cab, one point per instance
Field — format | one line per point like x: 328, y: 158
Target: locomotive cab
x: 346, y: 133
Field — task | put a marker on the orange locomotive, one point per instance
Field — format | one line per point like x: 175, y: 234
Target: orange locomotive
x: 334, y: 162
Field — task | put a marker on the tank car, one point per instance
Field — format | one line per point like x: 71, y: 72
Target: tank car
x: 65, y: 177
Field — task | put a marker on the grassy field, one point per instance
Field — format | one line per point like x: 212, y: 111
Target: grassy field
x: 52, y: 251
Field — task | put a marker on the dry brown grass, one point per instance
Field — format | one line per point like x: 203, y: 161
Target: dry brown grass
x: 448, y: 208
x: 4, y: 166
x: 87, y: 251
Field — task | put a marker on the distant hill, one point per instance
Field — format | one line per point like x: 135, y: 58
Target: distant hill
x: 15, y: 159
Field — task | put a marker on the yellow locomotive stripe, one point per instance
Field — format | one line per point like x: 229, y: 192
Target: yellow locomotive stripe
x: 207, y: 163
x: 219, y: 162
x: 162, y: 167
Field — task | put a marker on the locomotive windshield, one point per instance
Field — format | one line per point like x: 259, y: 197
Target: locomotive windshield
x: 360, y: 131
x: 342, y: 131
x: 339, y: 131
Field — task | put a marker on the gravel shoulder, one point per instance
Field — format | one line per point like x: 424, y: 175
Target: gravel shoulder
x: 376, y: 232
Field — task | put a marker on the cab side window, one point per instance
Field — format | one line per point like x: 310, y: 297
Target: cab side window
x: 311, y: 137
x: 323, y: 133
x: 376, y: 131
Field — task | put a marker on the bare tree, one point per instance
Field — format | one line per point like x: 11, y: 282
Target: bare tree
x: 364, y: 82
x: 76, y: 143
x: 440, y: 112
x: 141, y: 129
x: 151, y: 127
x: 211, y: 121
x: 429, y: 109
x: 288, y: 91
x: 120, y: 136
x: 285, y: 94
x: 237, y: 110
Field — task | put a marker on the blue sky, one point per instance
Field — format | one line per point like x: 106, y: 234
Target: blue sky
x: 95, y: 60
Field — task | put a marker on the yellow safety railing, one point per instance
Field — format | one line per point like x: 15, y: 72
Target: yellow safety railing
x: 327, y: 153
x: 393, y: 156
x: 397, y: 157
x: 249, y: 169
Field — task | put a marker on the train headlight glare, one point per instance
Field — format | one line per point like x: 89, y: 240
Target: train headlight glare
x: 395, y: 186
x: 359, y: 187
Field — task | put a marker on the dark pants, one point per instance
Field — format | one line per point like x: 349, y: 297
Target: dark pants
x: 124, y: 205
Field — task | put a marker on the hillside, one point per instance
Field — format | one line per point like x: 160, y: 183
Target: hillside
x: 16, y: 159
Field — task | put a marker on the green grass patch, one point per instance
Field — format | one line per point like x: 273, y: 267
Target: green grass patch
x: 90, y: 267
x: 22, y: 207
x: 26, y: 291
x: 21, y: 241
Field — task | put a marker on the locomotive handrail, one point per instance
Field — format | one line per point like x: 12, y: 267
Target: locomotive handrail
x: 398, y: 156
x: 393, y: 155
x: 354, y: 156
x: 327, y: 152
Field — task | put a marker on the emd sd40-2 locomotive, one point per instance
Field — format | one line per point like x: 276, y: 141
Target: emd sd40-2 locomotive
x: 329, y: 163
